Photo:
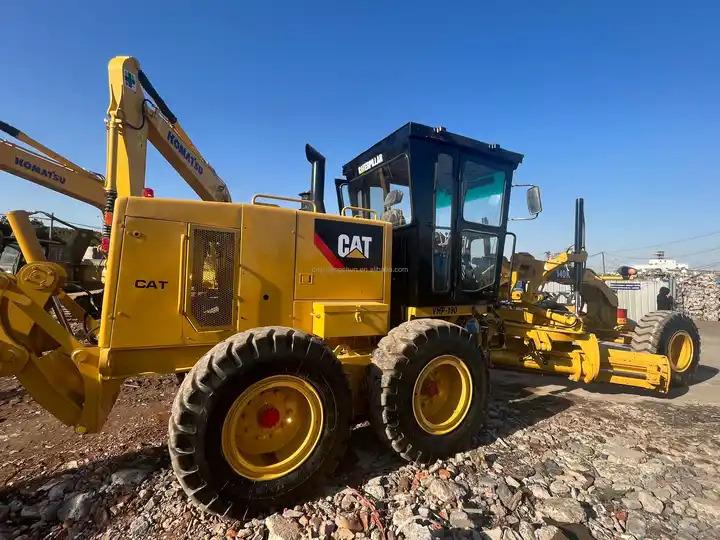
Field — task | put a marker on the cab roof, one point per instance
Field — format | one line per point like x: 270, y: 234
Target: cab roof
x: 397, y: 143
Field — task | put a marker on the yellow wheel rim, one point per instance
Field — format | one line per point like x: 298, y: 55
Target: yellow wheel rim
x: 272, y: 427
x: 442, y: 395
x: 680, y: 351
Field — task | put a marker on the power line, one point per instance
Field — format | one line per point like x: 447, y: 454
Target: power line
x: 697, y: 252
x: 662, y: 244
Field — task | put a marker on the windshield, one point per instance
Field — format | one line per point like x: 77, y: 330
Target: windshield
x: 483, y: 189
x: 384, y: 189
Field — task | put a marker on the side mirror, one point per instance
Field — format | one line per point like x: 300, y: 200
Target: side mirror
x: 534, y: 204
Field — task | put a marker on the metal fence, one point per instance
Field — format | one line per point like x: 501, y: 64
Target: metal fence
x: 638, y: 296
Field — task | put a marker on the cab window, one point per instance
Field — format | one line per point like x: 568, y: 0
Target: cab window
x: 442, y: 229
x: 478, y: 260
x: 386, y: 190
x: 483, y: 189
x: 345, y: 195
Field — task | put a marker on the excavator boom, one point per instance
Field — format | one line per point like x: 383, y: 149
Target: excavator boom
x: 133, y: 120
x: 49, y: 169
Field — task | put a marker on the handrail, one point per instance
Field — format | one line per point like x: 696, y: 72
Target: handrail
x: 287, y: 199
x: 359, y: 209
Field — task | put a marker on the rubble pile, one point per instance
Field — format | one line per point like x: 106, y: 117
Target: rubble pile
x: 546, y: 467
x: 697, y: 293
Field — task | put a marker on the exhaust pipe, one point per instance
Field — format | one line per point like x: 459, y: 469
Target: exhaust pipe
x: 317, y: 179
x: 578, y: 248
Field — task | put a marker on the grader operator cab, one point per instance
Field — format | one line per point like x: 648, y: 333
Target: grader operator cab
x: 447, y: 197
x: 289, y: 320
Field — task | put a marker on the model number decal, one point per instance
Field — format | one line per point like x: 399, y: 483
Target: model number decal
x: 445, y: 310
x: 150, y: 284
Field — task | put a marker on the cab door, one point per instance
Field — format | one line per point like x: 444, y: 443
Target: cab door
x: 430, y: 251
x: 483, y: 189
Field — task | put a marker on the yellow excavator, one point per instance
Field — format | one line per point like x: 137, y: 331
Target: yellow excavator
x: 61, y: 241
x: 45, y: 167
x: 589, y: 339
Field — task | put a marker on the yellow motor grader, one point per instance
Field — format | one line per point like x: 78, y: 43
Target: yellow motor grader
x: 588, y: 339
x: 290, y: 322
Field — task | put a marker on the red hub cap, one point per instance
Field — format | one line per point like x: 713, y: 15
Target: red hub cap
x: 268, y: 417
x: 430, y: 388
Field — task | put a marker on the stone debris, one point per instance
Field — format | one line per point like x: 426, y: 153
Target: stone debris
x: 547, y: 468
x: 650, y: 503
x: 562, y: 509
x: 281, y: 528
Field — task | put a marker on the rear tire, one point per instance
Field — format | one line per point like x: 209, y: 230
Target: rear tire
x: 209, y: 470
x: 674, y: 335
x: 397, y: 378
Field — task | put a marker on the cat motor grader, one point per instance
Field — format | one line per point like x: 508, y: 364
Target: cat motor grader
x: 596, y: 342
x: 290, y: 322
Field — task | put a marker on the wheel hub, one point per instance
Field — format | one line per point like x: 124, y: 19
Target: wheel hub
x: 272, y: 427
x: 680, y: 351
x: 442, y: 395
x: 430, y: 388
x: 268, y: 417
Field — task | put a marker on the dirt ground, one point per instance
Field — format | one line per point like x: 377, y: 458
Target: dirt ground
x: 39, y: 454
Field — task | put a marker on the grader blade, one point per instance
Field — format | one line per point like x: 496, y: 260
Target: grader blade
x: 643, y: 370
x: 589, y: 360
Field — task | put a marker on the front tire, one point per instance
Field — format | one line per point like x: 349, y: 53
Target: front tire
x: 674, y: 335
x: 428, y: 386
x: 259, y: 421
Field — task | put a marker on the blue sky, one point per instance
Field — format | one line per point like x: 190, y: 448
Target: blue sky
x: 617, y: 102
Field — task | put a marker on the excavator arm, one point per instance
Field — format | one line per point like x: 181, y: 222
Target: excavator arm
x: 49, y: 169
x: 132, y: 120
x: 60, y: 371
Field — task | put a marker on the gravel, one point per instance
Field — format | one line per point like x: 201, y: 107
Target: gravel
x: 547, y: 467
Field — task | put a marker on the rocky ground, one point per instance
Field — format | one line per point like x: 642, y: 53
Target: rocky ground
x: 548, y: 466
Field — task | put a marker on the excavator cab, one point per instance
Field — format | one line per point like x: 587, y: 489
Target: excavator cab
x: 447, y: 197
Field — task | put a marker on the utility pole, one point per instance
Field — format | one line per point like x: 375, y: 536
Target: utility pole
x: 603, y: 260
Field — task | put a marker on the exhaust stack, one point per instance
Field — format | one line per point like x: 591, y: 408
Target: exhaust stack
x: 579, y: 248
x: 317, y: 179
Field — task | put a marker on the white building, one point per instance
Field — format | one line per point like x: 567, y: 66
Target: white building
x: 661, y: 263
